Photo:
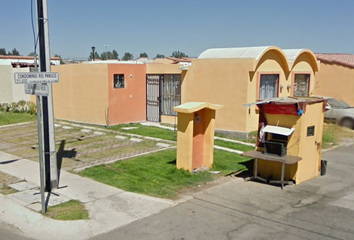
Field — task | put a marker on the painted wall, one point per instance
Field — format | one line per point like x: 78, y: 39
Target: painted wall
x: 270, y: 63
x: 127, y: 104
x: 9, y: 91
x: 302, y: 65
x: 219, y: 81
x: 156, y: 68
x: 335, y: 81
x: 82, y: 93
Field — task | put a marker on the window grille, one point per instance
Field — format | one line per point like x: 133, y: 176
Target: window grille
x: 301, y: 85
x: 118, y: 80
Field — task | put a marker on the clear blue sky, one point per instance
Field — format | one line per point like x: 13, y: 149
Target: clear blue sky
x: 189, y: 26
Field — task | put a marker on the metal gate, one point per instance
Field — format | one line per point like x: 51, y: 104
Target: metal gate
x: 153, y: 98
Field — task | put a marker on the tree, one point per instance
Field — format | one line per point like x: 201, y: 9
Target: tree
x: 160, y: 56
x: 107, y: 55
x: 127, y: 56
x: 143, y: 55
x: 115, y: 54
x: 97, y: 56
x: 31, y: 54
x: 3, y: 51
x: 14, y: 52
x: 178, y: 54
x: 61, y: 60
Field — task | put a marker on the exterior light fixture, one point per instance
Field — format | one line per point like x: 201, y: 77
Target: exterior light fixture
x: 281, y: 87
x: 288, y: 87
x: 93, y: 53
x: 197, y: 118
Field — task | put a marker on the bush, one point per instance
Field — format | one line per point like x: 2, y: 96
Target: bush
x: 19, y: 107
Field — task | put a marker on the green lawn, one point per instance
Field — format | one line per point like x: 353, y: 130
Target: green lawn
x: 232, y: 145
x: 7, y: 118
x: 156, y: 174
x: 68, y: 211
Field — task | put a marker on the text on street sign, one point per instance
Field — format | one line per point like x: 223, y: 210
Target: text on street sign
x: 41, y: 77
x: 37, y: 89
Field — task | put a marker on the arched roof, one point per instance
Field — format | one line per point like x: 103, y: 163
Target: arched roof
x: 293, y: 54
x: 245, y: 52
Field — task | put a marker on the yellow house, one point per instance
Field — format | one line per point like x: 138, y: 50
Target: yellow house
x: 100, y: 92
x: 336, y: 78
x: 115, y: 92
x: 234, y: 76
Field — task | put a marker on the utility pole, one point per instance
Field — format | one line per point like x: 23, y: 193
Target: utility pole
x: 50, y: 158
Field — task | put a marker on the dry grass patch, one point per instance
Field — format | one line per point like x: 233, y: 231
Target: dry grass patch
x: 69, y: 211
x: 334, y: 135
x: 5, y: 181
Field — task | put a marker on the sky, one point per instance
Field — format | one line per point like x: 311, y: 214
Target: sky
x: 189, y: 26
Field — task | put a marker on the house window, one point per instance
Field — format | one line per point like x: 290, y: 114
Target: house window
x: 301, y: 85
x: 118, y: 80
x: 268, y: 86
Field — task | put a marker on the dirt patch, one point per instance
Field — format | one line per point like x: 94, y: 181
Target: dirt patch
x: 76, y: 149
x: 5, y: 181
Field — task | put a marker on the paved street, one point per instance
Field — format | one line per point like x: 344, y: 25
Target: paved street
x: 10, y: 232
x: 322, y: 208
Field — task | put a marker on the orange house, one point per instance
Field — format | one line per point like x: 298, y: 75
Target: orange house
x: 235, y: 76
x: 100, y: 93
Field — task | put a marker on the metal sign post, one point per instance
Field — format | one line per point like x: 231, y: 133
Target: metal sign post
x: 51, y: 170
x: 41, y: 153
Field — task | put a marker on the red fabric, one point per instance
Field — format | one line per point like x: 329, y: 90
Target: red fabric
x: 289, y: 109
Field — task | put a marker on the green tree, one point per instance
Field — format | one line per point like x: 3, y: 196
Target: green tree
x: 61, y: 60
x: 160, y: 56
x: 127, y: 56
x: 14, y: 52
x: 107, y: 55
x: 143, y: 55
x: 178, y: 54
x: 31, y: 54
x: 97, y: 56
x: 3, y: 51
x: 115, y: 54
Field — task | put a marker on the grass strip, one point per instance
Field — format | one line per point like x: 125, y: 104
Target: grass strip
x: 68, y: 211
x: 156, y: 174
x: 149, y: 131
x: 7, y: 118
x: 232, y: 145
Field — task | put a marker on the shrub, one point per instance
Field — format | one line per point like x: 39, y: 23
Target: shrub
x: 19, y: 107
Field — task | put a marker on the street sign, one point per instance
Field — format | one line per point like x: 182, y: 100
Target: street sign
x: 40, y: 77
x: 37, y: 89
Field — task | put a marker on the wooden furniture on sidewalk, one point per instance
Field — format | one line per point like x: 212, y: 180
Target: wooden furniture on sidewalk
x: 267, y: 157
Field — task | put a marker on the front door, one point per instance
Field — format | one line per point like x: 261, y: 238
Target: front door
x: 153, y: 98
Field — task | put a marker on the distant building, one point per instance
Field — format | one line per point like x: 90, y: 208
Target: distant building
x: 9, y: 91
x: 336, y: 78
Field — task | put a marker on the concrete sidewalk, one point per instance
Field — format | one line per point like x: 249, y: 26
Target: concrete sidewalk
x: 108, y: 207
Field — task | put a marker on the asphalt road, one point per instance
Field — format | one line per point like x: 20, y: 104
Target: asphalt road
x: 321, y: 208
x: 11, y: 233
